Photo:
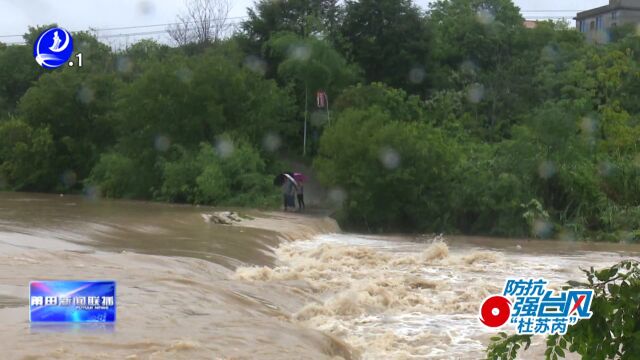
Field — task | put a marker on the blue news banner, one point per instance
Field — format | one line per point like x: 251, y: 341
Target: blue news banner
x: 72, y: 301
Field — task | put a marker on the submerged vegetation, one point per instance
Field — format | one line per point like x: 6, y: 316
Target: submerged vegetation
x: 457, y: 118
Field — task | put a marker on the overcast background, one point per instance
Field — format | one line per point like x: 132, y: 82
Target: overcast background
x: 153, y: 15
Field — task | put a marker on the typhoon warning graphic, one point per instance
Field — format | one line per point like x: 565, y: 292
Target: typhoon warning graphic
x: 53, y: 48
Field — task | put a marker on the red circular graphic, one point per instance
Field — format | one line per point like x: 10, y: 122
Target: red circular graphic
x: 503, y: 307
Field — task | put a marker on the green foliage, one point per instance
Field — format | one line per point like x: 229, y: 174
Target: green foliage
x: 395, y: 174
x: 25, y: 157
x: 395, y: 102
x: 73, y: 106
x: 116, y: 176
x: 218, y: 177
x: 390, y: 40
x: 613, y: 332
x: 192, y: 99
x: 302, y: 17
x: 17, y: 73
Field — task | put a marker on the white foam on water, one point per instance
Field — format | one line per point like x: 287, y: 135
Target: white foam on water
x: 394, y: 299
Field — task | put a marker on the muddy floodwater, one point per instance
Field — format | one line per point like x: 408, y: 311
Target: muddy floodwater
x: 276, y: 286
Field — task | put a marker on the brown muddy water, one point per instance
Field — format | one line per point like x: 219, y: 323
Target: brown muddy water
x: 279, y: 286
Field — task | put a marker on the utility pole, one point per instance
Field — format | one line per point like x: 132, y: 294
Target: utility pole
x: 306, y: 112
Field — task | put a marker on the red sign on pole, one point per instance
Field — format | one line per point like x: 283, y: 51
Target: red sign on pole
x: 321, y: 99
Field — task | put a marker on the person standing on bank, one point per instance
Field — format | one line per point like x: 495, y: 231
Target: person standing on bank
x: 289, y: 191
x: 300, y: 178
x: 300, y: 195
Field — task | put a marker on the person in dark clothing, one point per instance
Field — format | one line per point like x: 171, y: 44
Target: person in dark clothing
x: 300, y: 194
x: 289, y: 190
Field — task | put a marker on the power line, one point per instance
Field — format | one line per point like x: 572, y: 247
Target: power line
x: 139, y: 26
x: 126, y: 35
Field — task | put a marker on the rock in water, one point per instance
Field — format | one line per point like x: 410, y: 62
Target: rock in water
x: 222, y: 217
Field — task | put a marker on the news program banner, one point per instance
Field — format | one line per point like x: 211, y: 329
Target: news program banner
x: 72, y: 301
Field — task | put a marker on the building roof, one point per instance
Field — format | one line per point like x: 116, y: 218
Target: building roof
x: 530, y: 24
x: 604, y: 9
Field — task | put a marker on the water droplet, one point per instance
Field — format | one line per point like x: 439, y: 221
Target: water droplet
x: 162, y: 143
x: 145, y: 8
x: 485, y: 16
x: 124, y: 64
x: 390, y: 158
x: 271, y: 142
x: 475, y: 93
x: 469, y: 67
x: 605, y: 169
x: 92, y: 193
x: 567, y: 235
x: 550, y: 53
x: 299, y: 52
x: 255, y: 64
x: 417, y: 75
x: 224, y: 147
x: 588, y: 125
x: 184, y: 74
x: 69, y: 178
x: 546, y: 170
x: 86, y: 95
x: 542, y: 229
x: 337, y: 196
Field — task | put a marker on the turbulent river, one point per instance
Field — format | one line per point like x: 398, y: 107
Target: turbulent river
x: 276, y: 286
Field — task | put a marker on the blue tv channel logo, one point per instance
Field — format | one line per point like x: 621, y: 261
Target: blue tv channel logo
x: 53, y: 48
x: 72, y: 301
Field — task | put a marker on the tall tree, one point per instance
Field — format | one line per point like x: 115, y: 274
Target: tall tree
x: 204, y: 22
x: 389, y: 39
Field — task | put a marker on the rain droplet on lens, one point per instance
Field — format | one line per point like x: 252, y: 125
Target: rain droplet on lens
x: 299, y: 52
x: 92, y: 193
x: 475, y: 93
x: 184, y: 74
x: 605, y: 169
x: 550, y: 53
x: 567, y: 235
x: 469, y: 67
x: 124, y: 64
x: 337, y: 196
x: 224, y: 147
x: 271, y: 142
x: 542, y: 229
x: 69, y: 178
x: 389, y: 158
x: 145, y: 8
x: 86, y: 95
x: 485, y: 16
x: 417, y: 75
x: 588, y: 125
x: 162, y: 143
x: 546, y: 170
x: 255, y: 64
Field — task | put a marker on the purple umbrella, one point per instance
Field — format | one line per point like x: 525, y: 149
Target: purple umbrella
x: 299, y: 177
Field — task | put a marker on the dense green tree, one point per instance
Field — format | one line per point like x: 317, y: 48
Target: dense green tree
x: 301, y: 17
x: 73, y: 106
x: 310, y: 65
x: 390, y: 40
x: 395, y: 175
x: 26, y: 157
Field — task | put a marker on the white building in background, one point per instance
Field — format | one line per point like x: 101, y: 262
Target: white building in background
x: 596, y: 23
